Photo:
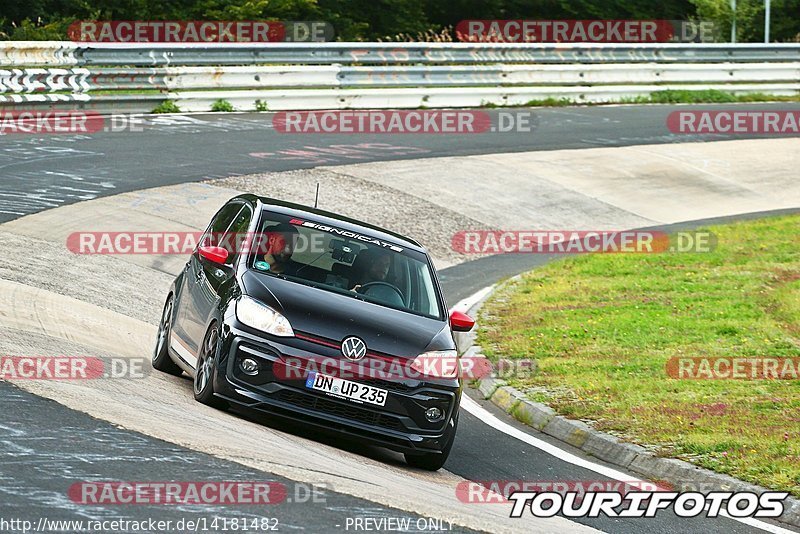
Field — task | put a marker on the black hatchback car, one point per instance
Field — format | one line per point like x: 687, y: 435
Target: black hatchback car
x: 320, y: 319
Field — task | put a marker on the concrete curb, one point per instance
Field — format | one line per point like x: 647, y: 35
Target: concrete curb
x: 683, y: 475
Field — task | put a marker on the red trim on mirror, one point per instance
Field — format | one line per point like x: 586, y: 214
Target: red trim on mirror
x: 461, y: 322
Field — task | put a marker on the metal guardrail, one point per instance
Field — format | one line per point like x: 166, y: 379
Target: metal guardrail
x: 82, y: 80
x: 335, y: 75
x: 54, y: 53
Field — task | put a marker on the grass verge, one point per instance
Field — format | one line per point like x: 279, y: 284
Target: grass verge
x: 602, y: 328
x: 669, y: 96
x: 167, y: 106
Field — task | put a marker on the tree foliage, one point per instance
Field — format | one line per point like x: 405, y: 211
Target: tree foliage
x: 381, y: 19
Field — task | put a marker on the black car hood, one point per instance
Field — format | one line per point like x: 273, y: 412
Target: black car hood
x: 334, y: 316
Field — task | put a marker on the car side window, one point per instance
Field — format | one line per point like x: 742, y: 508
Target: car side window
x: 235, y: 237
x: 219, y: 224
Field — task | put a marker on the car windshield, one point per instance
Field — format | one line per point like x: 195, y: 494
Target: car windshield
x: 341, y: 261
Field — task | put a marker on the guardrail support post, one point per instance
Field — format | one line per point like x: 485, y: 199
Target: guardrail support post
x: 766, y: 20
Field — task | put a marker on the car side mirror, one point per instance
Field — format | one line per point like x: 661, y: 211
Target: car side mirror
x: 216, y: 255
x: 461, y: 322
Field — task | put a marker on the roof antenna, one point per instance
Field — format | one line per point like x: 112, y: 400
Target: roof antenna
x: 316, y: 197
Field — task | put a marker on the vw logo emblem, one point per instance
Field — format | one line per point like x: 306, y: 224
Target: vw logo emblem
x: 354, y: 348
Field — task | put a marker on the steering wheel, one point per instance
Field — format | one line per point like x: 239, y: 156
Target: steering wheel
x: 366, y: 286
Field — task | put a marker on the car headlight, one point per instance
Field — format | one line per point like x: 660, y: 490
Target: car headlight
x: 437, y: 364
x: 262, y: 317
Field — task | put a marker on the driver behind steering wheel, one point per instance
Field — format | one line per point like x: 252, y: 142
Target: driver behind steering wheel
x: 372, y: 265
x: 372, y: 270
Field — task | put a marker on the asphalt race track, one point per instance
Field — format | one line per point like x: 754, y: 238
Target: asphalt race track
x: 173, y: 149
x: 46, y: 446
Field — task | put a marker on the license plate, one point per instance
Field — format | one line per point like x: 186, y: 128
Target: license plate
x: 339, y: 387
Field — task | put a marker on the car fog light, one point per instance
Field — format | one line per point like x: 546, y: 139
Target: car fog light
x: 433, y: 414
x: 249, y: 366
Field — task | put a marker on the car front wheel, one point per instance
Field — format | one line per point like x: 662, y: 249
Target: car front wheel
x: 204, y: 373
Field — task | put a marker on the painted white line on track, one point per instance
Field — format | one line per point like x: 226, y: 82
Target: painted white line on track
x: 490, y: 419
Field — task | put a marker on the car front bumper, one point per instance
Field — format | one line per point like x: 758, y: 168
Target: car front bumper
x: 399, y: 425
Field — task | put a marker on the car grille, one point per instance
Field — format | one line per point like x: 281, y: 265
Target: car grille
x: 339, y: 409
x: 391, y: 385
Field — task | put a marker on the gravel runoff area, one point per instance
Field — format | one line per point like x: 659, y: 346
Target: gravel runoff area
x: 367, y: 201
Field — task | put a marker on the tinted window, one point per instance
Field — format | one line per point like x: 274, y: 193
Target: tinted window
x: 233, y: 239
x: 220, y: 223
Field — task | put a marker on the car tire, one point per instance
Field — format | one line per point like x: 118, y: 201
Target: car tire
x: 203, y: 383
x: 161, y: 360
x: 431, y: 461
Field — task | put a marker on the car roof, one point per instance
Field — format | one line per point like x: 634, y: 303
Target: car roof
x: 331, y: 219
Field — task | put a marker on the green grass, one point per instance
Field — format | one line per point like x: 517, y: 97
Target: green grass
x: 167, y: 106
x: 705, y: 96
x: 602, y: 328
x: 713, y: 96
x: 709, y: 96
x: 222, y: 105
x: 551, y: 102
